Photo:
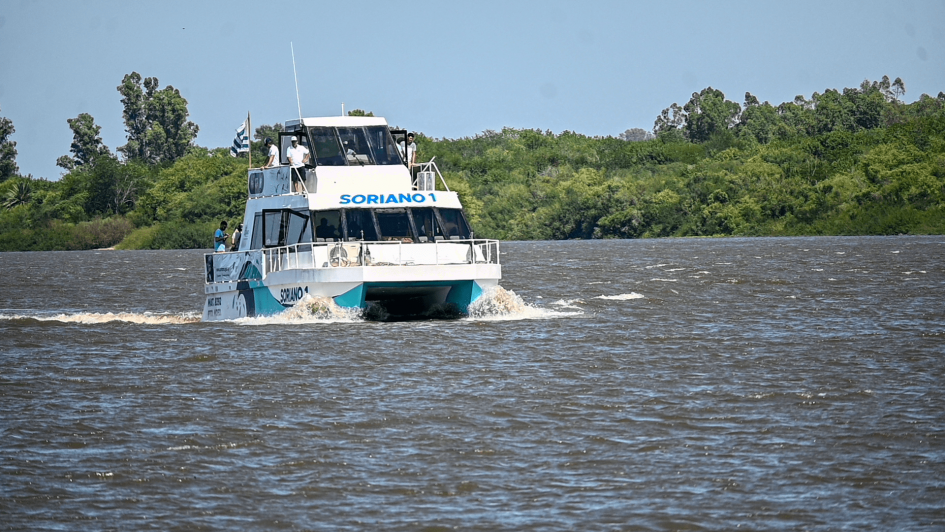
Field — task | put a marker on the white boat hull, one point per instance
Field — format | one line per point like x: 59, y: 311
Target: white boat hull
x: 262, y: 283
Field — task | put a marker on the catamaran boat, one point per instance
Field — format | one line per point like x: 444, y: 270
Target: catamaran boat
x: 356, y: 225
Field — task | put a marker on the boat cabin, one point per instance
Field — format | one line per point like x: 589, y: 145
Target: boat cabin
x: 355, y: 187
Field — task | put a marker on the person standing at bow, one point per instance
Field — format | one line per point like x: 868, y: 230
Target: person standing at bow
x: 273, y: 154
x: 298, y: 157
x: 219, y: 237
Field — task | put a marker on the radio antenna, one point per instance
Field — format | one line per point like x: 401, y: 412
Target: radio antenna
x: 297, y: 99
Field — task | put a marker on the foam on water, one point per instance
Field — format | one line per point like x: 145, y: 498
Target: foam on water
x: 499, y: 304
x: 622, y: 297
x: 146, y: 318
x: 309, y: 309
x: 568, y: 303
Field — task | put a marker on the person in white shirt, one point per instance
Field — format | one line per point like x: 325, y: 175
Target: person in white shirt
x: 273, y: 154
x: 298, y: 156
x: 411, y: 155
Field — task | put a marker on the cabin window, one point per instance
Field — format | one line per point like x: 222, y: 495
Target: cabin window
x: 385, y: 151
x: 359, y: 225
x: 454, y: 223
x: 425, y: 222
x: 285, y: 227
x: 394, y: 224
x: 300, y: 230
x: 355, y: 146
x: 328, y: 151
x: 257, y: 232
x: 327, y: 225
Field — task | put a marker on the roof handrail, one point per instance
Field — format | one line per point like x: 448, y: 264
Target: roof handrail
x: 426, y: 167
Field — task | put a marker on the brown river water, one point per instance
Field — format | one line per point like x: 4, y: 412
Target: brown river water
x: 678, y: 384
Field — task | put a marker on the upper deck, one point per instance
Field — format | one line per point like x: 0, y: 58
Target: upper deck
x: 348, y: 154
x: 364, y: 193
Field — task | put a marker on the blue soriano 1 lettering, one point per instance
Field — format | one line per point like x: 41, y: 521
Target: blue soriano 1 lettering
x: 292, y: 295
x: 386, y: 199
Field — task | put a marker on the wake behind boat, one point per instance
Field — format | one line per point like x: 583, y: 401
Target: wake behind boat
x: 358, y: 229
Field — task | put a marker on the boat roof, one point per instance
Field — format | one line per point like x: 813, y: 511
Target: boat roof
x: 337, y: 121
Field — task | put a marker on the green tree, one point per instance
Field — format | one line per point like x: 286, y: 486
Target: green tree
x: 670, y: 121
x: 264, y: 131
x: 758, y: 121
x: 135, y: 114
x: 86, y: 143
x: 708, y: 112
x: 360, y: 112
x: 20, y: 194
x: 155, y: 120
x: 171, y: 133
x: 260, y: 153
x: 636, y: 135
x: 8, y: 167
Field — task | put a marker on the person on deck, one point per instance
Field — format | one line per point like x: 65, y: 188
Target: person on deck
x: 411, y: 154
x: 237, y: 235
x: 298, y: 157
x: 273, y: 153
x: 219, y: 237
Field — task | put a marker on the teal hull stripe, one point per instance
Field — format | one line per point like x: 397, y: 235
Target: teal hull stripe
x: 265, y: 303
x: 352, y: 298
x: 462, y: 293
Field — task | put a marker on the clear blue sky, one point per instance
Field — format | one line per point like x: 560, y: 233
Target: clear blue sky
x: 447, y: 68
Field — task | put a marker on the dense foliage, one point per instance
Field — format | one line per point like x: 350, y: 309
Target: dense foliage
x: 853, y: 162
x: 856, y: 161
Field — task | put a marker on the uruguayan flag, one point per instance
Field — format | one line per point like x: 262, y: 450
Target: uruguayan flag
x: 241, y: 142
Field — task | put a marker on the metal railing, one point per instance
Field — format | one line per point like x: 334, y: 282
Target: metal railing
x: 425, y: 180
x: 319, y: 255
x: 257, y: 264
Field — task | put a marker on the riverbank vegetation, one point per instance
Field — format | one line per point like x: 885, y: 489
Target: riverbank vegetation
x: 855, y: 161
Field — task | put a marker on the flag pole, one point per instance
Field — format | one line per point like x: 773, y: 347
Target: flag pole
x: 249, y: 129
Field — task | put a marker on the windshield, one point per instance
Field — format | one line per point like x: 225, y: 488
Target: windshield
x: 355, y: 145
x: 327, y: 150
x: 385, y: 152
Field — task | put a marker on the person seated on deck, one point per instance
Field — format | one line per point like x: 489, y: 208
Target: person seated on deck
x: 353, y: 154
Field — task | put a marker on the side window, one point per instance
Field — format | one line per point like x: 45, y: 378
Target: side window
x: 285, y: 227
x: 454, y: 224
x: 257, y: 232
x: 425, y: 222
x: 272, y: 225
x: 327, y: 225
x: 299, y: 230
x: 394, y: 224
x: 359, y: 225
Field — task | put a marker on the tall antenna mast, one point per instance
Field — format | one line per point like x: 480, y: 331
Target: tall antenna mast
x: 297, y: 99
